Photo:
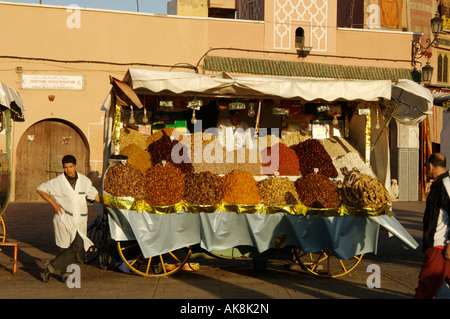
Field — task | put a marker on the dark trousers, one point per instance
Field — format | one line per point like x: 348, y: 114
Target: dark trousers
x: 435, y: 270
x: 65, y: 256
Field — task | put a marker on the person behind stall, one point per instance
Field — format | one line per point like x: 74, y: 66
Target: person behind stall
x: 435, y: 270
x: 233, y: 133
x: 68, y: 194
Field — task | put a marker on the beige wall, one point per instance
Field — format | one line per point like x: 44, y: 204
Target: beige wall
x: 33, y: 31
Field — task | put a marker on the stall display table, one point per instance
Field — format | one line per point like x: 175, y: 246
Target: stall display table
x: 344, y: 236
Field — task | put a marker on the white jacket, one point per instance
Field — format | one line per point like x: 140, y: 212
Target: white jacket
x: 234, y: 138
x: 74, y: 219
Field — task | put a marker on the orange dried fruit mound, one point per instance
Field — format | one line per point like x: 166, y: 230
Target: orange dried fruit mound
x: 240, y: 187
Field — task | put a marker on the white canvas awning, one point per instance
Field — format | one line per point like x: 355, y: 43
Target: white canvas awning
x: 414, y: 102
x: 11, y: 99
x: 183, y: 83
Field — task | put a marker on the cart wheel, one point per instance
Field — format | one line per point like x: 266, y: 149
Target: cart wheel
x: 2, y: 231
x: 162, y: 265
x: 325, y: 264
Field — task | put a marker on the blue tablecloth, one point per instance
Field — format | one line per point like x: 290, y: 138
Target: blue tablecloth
x: 346, y: 236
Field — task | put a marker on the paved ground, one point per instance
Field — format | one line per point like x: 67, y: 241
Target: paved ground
x: 30, y: 224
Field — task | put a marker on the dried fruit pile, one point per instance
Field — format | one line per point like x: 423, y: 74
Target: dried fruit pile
x: 203, y: 188
x: 124, y: 181
x: 278, y: 191
x: 311, y: 155
x: 239, y: 187
x: 161, y: 150
x: 144, y: 177
x: 318, y: 191
x: 363, y: 191
x: 164, y: 185
x: 280, y: 158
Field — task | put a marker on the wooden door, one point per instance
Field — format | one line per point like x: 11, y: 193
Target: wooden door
x: 39, y: 154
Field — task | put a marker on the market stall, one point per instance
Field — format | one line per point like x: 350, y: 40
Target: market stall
x: 171, y: 186
x: 11, y: 109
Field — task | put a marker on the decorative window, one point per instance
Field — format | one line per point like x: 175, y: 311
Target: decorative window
x: 442, y: 69
x: 299, y: 38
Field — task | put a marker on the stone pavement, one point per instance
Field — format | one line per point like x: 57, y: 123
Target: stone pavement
x: 31, y: 225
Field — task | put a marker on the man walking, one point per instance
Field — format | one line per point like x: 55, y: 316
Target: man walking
x: 68, y: 194
x: 436, y: 244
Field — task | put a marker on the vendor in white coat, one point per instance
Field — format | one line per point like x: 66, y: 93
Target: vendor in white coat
x: 68, y: 194
x: 233, y: 133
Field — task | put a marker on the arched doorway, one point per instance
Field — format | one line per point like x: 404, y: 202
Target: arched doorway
x: 39, y: 155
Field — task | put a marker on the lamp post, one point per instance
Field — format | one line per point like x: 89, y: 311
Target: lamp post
x: 419, y: 51
x: 427, y: 73
x: 436, y: 25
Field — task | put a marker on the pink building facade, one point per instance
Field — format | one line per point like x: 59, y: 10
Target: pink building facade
x: 60, y: 58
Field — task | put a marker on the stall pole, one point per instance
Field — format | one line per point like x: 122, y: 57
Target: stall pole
x: 257, y: 120
x: 367, y: 146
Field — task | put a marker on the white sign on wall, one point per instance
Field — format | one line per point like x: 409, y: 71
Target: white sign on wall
x: 52, y: 82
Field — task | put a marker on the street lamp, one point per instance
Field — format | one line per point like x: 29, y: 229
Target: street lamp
x: 436, y: 25
x: 427, y: 73
x: 419, y: 51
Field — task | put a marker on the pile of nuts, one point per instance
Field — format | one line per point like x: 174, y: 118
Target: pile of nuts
x: 278, y: 191
x: 295, y: 138
x: 203, y: 188
x: 312, y: 155
x: 129, y: 136
x: 338, y: 146
x: 318, y: 191
x: 124, y: 181
x: 164, y: 185
x: 352, y: 160
x: 288, y: 163
x: 239, y: 187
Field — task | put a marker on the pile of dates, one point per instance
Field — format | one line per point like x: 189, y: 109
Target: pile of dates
x: 318, y: 191
x: 204, y: 188
x: 313, y: 158
x: 164, y: 185
x: 124, y: 180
